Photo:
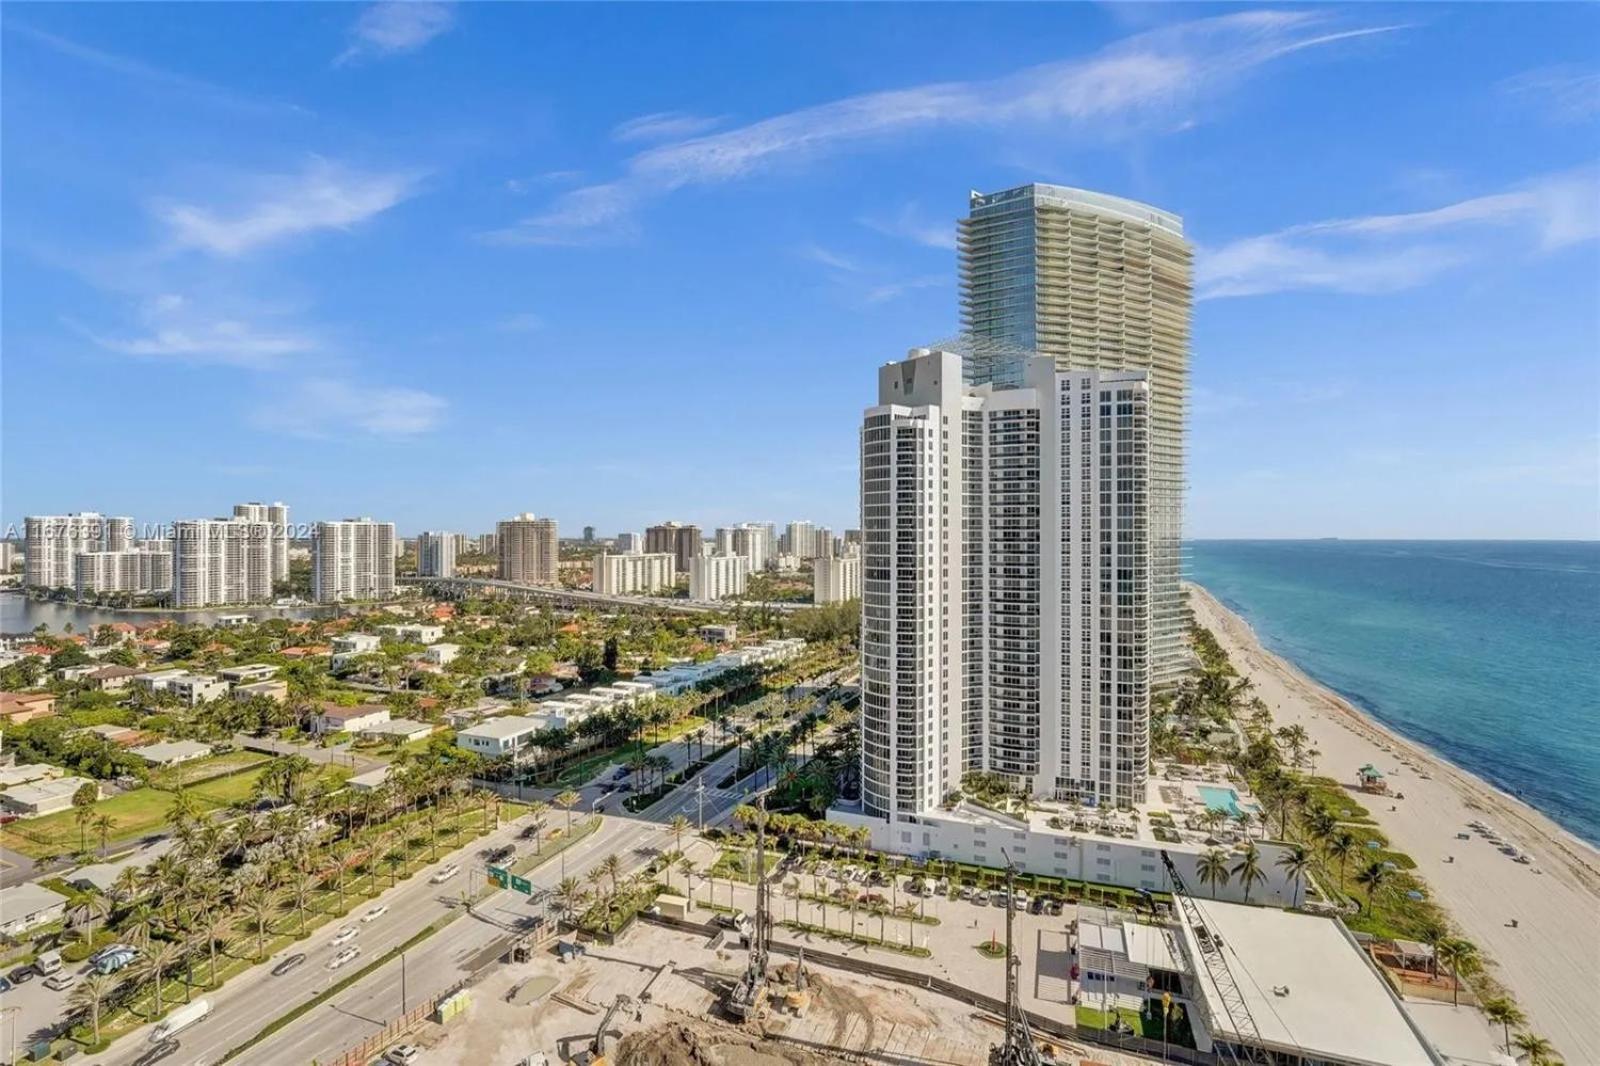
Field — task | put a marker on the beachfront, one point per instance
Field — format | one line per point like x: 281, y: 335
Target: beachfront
x: 1551, y: 960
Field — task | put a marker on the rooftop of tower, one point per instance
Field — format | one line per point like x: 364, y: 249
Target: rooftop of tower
x: 1065, y: 196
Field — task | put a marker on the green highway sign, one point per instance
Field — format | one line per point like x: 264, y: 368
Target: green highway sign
x: 500, y: 876
x: 522, y: 884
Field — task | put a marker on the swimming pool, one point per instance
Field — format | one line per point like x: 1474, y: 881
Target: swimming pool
x: 1225, y: 800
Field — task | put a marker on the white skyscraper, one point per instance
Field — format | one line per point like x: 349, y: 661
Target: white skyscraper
x: 436, y: 554
x: 352, y: 560
x: 1005, y: 608
x: 800, y: 540
x: 53, y: 542
x: 642, y: 574
x: 219, y: 561
x: 276, y: 514
x: 748, y: 539
x: 835, y: 580
x: 717, y: 577
x: 145, y: 570
x: 632, y: 544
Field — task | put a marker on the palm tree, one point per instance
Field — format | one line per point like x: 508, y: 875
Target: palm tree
x: 687, y: 867
x: 89, y: 995
x: 538, y: 809
x: 103, y: 824
x: 300, y: 888
x: 1459, y: 954
x: 1340, y: 848
x: 566, y: 801
x: 1536, y: 1049
x: 1294, y: 863
x: 566, y: 895
x: 1248, y: 869
x: 1507, y: 1014
x: 217, y: 928
x: 1213, y: 869
x: 679, y: 825
x: 611, y: 866
x: 259, y: 906
x: 151, y: 967
x: 1372, y: 878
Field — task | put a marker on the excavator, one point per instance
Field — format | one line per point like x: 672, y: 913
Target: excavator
x: 595, y: 1053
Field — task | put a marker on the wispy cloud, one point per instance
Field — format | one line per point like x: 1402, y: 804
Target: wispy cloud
x: 324, y: 195
x: 1560, y: 93
x: 523, y: 322
x: 520, y: 186
x: 189, y: 88
x: 328, y: 407
x: 828, y: 258
x: 1390, y: 253
x: 1151, y: 77
x: 910, y: 224
x: 394, y: 27
x: 174, y: 330
x: 893, y: 290
x: 664, y: 126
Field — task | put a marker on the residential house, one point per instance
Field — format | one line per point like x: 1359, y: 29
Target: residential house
x: 332, y: 718
x: 19, y: 707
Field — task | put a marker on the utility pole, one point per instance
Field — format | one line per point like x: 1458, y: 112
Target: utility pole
x: 700, y: 794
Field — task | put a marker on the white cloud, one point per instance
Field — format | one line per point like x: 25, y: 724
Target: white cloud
x: 830, y: 259
x: 895, y: 289
x: 394, y: 27
x: 910, y: 224
x: 664, y: 126
x: 327, y: 407
x: 1151, y: 77
x: 175, y: 331
x: 1562, y: 93
x: 324, y: 195
x: 519, y: 186
x: 1390, y: 253
x: 523, y: 322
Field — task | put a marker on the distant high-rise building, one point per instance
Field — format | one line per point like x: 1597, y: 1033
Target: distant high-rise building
x: 277, y: 514
x: 352, y: 560
x: 436, y: 554
x: 717, y: 577
x: 1005, y: 604
x: 221, y: 561
x: 823, y: 544
x: 489, y: 544
x: 633, y: 544
x: 1095, y: 282
x: 145, y: 570
x: 683, y: 541
x: 626, y: 575
x: 749, y: 539
x: 836, y: 580
x: 529, y: 550
x: 53, y: 542
x: 588, y: 534
x: 800, y: 540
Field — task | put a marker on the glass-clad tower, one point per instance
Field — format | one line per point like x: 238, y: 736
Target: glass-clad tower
x: 1095, y: 282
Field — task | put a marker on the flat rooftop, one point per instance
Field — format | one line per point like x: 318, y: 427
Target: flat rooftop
x: 1309, y: 988
x: 503, y: 728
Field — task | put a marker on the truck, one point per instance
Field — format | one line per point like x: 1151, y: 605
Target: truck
x: 179, y: 1020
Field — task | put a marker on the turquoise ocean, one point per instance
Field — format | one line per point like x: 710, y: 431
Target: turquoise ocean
x: 1488, y: 652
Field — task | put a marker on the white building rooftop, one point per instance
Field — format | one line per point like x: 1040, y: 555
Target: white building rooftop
x: 1308, y: 986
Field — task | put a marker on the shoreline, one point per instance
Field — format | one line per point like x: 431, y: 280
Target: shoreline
x: 1552, y: 960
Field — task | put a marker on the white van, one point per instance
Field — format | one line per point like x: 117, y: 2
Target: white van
x: 179, y: 1020
x: 47, y: 963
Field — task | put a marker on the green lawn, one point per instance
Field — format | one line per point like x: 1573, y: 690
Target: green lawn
x: 236, y: 788
x: 200, y: 769
x: 137, y: 813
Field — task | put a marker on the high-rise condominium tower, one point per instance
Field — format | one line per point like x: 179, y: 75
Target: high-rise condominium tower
x: 1095, y: 282
x: 352, y: 560
x: 52, y: 543
x: 1005, y: 583
x: 436, y: 554
x: 529, y: 550
x: 278, y: 515
x: 684, y: 542
x: 221, y: 561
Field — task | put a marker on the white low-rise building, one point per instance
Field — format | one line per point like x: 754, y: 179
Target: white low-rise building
x: 331, y: 718
x: 44, y: 796
x: 347, y: 646
x: 414, y: 632
x: 170, y: 753
x: 248, y: 673
x: 192, y: 689
x: 403, y: 730
x: 271, y: 690
x: 495, y: 737
x: 441, y: 654
x: 28, y: 906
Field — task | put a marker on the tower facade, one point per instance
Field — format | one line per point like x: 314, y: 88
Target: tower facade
x: 1006, y: 610
x: 1094, y: 282
x: 529, y: 550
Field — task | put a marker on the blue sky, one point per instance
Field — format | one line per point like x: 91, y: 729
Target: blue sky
x: 621, y: 264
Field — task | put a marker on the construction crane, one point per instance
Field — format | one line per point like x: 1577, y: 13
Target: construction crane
x: 748, y: 996
x: 595, y: 1053
x: 1018, y: 1048
x: 1240, y: 1021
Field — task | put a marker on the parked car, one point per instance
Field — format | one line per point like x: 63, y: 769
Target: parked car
x: 61, y: 981
x: 5, y: 984
x: 980, y: 897
x: 22, y: 974
x: 446, y: 872
x: 117, y: 960
x: 402, y: 1054
x: 1036, y: 906
x: 529, y: 831
x: 109, y: 949
x: 965, y: 893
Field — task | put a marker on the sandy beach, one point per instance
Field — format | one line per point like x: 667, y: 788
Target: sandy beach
x: 1551, y: 961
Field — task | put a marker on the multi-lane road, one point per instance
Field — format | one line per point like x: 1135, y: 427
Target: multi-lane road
x: 251, y: 1001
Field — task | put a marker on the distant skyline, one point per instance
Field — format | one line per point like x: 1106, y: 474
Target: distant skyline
x: 445, y: 264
